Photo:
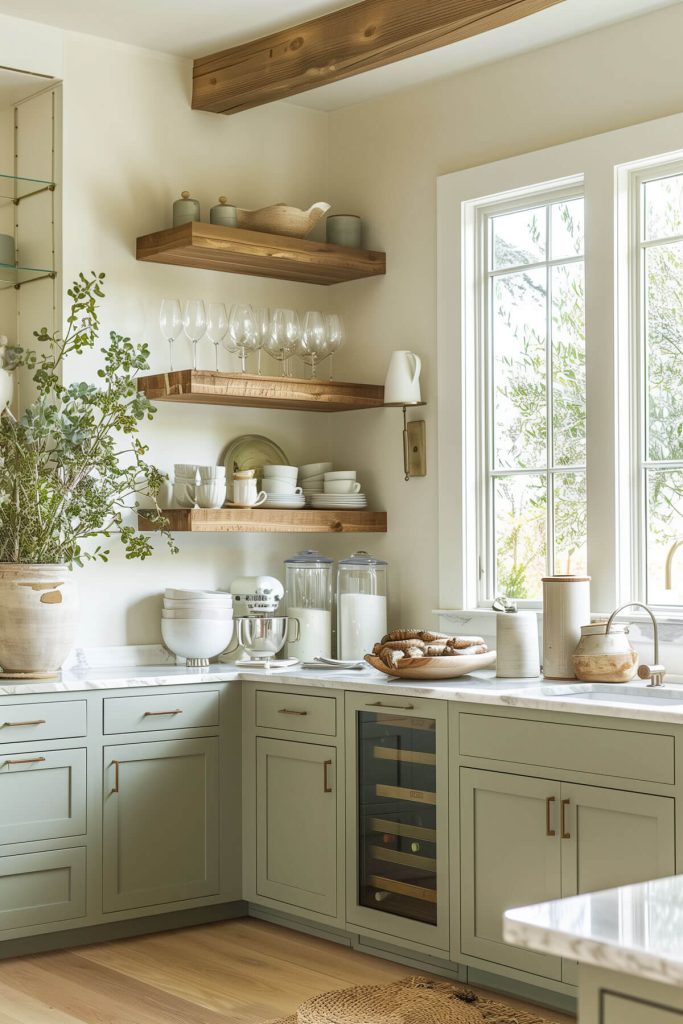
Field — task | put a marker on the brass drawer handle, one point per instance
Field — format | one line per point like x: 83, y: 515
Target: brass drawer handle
x: 548, y: 830
x: 327, y: 788
x: 117, y: 765
x: 153, y: 714
x: 15, y: 725
x: 25, y: 760
x: 288, y: 711
x: 394, y: 707
x: 563, y: 828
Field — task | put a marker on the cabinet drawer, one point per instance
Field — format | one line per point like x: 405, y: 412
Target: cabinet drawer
x: 296, y: 712
x: 38, y: 888
x: 193, y: 710
x: 48, y: 721
x: 42, y: 795
x: 611, y: 752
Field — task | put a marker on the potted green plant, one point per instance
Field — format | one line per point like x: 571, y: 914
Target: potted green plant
x: 70, y: 469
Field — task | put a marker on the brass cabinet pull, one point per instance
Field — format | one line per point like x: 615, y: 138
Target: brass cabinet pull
x: 25, y: 760
x: 394, y: 707
x: 288, y: 711
x: 116, y: 777
x: 15, y: 725
x: 548, y: 811
x: 563, y: 828
x: 327, y: 788
x: 153, y: 714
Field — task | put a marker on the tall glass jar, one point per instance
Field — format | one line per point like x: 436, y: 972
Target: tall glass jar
x: 361, y: 605
x: 308, y: 594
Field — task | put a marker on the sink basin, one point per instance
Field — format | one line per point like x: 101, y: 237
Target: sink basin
x: 646, y: 697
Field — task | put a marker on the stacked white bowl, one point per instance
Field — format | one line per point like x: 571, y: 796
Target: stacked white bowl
x: 279, y: 483
x: 196, y: 624
x: 312, y: 478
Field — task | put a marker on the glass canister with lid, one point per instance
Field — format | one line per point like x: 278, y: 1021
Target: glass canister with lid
x: 361, y: 604
x: 308, y: 594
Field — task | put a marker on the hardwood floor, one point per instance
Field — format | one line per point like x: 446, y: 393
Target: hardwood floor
x: 241, y: 972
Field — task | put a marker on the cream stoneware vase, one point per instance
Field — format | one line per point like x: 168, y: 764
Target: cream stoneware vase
x: 38, y: 617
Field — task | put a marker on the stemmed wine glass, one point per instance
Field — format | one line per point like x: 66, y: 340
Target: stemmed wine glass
x: 194, y: 322
x: 262, y: 321
x: 313, y: 341
x: 242, y: 331
x: 171, y: 324
x: 216, y: 325
x: 335, y: 335
x: 283, y: 336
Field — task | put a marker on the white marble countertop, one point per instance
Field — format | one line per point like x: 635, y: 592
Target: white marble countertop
x: 635, y: 929
x: 631, y: 700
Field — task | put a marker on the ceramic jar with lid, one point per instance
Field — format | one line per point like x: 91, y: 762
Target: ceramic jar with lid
x: 602, y: 657
x: 224, y: 213
x: 185, y: 210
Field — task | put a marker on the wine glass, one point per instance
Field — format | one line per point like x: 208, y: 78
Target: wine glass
x: 262, y: 321
x: 313, y: 341
x: 216, y: 325
x: 242, y: 331
x: 283, y: 336
x: 335, y: 335
x: 194, y: 322
x: 171, y: 324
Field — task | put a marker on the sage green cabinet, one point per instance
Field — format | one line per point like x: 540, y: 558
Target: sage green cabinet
x: 161, y: 818
x: 625, y: 1010
x: 42, y: 795
x: 296, y: 824
x: 526, y: 840
x: 42, y: 888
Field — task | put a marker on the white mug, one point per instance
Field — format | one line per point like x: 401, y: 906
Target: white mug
x: 402, y: 384
x: 211, y: 494
x: 275, y: 486
x: 245, y: 493
x: 342, y: 487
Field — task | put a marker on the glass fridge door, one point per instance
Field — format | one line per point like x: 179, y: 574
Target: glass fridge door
x: 397, y: 815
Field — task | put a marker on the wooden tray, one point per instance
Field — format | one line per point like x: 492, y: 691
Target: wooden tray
x: 435, y: 668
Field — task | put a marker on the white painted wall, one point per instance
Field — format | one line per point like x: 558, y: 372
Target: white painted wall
x: 385, y: 157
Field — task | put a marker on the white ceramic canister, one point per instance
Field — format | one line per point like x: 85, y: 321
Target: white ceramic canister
x: 7, y: 250
x: 603, y: 657
x: 566, y: 607
x: 517, y: 649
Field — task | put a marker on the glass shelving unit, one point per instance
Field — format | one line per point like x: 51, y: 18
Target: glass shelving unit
x: 13, y: 191
x: 14, y: 276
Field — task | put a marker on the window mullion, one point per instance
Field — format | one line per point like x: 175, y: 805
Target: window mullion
x: 550, y: 436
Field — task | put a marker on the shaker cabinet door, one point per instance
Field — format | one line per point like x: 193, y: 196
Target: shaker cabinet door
x: 161, y: 823
x: 296, y: 824
x: 510, y: 857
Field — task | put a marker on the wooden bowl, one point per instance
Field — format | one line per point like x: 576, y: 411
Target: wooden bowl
x: 435, y: 668
x: 281, y: 219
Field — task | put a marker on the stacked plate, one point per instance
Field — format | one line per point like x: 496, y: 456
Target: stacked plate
x: 196, y: 624
x: 284, y: 501
x: 340, y: 501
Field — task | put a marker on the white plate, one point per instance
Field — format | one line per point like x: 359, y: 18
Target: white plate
x: 435, y: 668
x: 251, y: 451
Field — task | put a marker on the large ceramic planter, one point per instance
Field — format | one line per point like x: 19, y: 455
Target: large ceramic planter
x: 38, y: 617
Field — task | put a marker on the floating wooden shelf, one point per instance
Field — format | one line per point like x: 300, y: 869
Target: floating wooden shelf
x: 266, y: 520
x: 246, y: 389
x: 238, y: 251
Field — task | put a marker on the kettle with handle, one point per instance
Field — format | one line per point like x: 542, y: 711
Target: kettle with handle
x: 402, y: 384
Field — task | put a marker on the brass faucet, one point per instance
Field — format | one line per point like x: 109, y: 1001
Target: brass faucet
x: 655, y: 673
x: 669, y: 562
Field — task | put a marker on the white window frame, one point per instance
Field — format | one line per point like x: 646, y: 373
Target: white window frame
x: 482, y: 356
x: 606, y: 164
x: 640, y: 463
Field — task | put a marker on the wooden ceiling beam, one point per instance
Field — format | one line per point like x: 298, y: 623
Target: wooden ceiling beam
x: 339, y: 45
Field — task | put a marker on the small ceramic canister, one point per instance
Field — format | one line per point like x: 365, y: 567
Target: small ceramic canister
x: 224, y: 213
x: 185, y: 210
x: 566, y: 607
x: 7, y: 251
x: 517, y: 647
x: 344, y: 229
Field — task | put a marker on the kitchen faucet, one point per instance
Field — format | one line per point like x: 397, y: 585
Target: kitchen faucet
x: 669, y: 563
x: 655, y: 673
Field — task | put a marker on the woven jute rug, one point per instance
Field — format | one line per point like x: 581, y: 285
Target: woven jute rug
x: 409, y: 1001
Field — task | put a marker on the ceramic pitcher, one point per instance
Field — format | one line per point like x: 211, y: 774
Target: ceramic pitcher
x: 402, y: 384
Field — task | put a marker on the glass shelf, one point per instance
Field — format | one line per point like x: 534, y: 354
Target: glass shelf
x: 15, y: 277
x: 14, y: 189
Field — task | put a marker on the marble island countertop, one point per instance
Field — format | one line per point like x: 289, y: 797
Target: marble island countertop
x: 634, y: 929
x: 631, y: 700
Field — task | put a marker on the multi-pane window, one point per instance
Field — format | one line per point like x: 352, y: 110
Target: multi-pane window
x: 658, y: 377
x: 532, y: 376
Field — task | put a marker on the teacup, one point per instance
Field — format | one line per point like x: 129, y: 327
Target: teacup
x: 340, y: 474
x: 275, y: 486
x: 342, y: 487
x: 211, y: 494
x: 244, y: 492
x: 314, y: 469
x: 209, y: 473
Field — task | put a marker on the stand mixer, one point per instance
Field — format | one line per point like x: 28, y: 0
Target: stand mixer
x: 261, y: 633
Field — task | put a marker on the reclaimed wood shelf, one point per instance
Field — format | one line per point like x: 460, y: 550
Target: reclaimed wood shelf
x: 259, y: 254
x: 266, y: 520
x: 259, y: 392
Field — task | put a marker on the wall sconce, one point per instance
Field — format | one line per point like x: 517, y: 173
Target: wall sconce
x: 402, y: 390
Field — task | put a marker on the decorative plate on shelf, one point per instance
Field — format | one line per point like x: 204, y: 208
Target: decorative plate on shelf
x: 251, y: 451
x: 435, y: 668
